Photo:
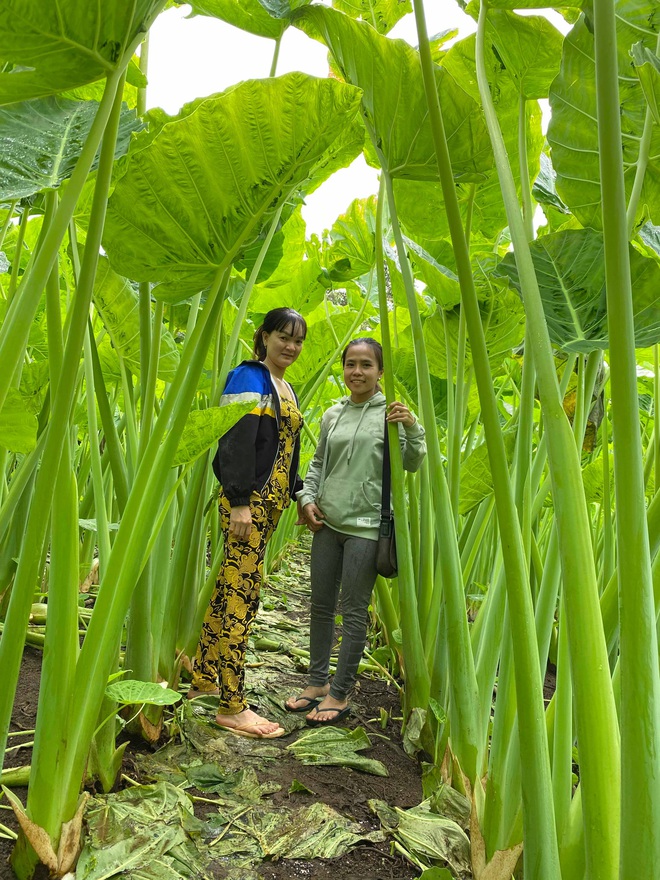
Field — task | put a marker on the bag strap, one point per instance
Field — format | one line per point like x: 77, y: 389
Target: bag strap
x: 385, y: 495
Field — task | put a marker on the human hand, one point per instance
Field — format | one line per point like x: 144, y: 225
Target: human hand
x: 399, y: 412
x: 313, y: 517
x: 240, y: 522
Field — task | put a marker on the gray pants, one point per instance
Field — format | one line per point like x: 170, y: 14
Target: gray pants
x: 339, y: 559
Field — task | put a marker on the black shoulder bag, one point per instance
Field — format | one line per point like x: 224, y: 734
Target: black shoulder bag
x: 386, y: 554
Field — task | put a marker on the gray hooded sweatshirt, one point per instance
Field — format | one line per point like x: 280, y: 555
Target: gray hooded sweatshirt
x: 345, y: 476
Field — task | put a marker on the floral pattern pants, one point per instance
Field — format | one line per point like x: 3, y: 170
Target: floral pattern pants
x: 220, y: 659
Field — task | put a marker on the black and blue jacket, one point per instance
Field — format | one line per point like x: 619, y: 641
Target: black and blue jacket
x: 247, y: 452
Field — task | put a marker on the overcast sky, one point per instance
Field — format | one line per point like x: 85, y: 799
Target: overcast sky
x: 193, y: 57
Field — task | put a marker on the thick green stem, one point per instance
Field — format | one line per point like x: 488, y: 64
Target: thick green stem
x: 638, y: 658
x: 417, y: 680
x: 35, y: 530
x: 540, y: 841
x: 595, y: 710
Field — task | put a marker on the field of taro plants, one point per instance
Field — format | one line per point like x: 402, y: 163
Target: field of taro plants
x: 514, y: 280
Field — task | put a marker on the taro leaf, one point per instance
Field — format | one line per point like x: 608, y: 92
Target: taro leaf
x: 118, y: 305
x: 429, y: 837
x: 139, y: 833
x: 545, y: 189
x: 18, y: 426
x: 292, y: 254
x: 570, y: 267
x: 41, y: 140
x: 592, y: 477
x: 136, y: 693
x: 388, y: 71
x: 35, y: 378
x: 530, y: 48
x: 241, y: 785
x: 314, y: 832
x: 336, y: 746
x: 303, y: 291
x: 380, y: 14
x: 412, y: 737
x: 63, y: 45
x: 650, y: 235
x: 421, y: 204
x: 573, y: 129
x: 298, y: 787
x: 352, y: 249
x: 476, y: 476
x: 535, y: 4
x: 440, y: 282
x: 648, y: 70
x: 436, y: 874
x: 248, y: 15
x: 345, y: 148
x: 194, y: 198
x: 204, y: 428
x: 504, y: 327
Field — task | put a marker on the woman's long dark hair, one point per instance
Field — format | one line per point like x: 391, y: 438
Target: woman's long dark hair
x: 366, y: 340
x: 278, y: 319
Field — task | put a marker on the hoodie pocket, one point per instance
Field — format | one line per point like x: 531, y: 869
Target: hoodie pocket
x: 346, y: 503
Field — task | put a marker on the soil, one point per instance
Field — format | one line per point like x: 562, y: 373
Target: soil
x: 345, y: 790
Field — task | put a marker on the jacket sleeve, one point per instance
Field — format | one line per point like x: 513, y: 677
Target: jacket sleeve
x: 413, y: 446
x: 314, y: 472
x: 235, y: 461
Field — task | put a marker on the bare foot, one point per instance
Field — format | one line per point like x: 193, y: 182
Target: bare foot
x: 307, y: 699
x: 327, y: 703
x: 248, y: 723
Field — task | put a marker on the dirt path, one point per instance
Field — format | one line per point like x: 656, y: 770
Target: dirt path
x: 214, y: 805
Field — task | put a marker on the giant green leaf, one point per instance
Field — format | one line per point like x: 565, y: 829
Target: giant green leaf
x: 248, y: 15
x: 380, y: 14
x: 429, y: 837
x: 138, y: 693
x: 648, y: 70
x: 351, y: 252
x: 205, y: 427
x: 530, y: 48
x: 336, y: 746
x: 41, y: 140
x: 562, y: 6
x: 573, y: 128
x: 440, y: 281
x: 421, y: 203
x: 504, y: 328
x: 394, y: 102
x: 18, y: 426
x: 303, y: 291
x: 570, y: 267
x: 194, y: 198
x: 119, y: 307
x: 61, y: 45
x: 476, y: 475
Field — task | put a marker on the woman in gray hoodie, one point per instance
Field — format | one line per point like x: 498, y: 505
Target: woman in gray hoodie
x: 340, y: 503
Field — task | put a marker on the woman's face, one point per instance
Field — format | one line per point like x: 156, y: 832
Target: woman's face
x: 282, y: 348
x: 361, y: 372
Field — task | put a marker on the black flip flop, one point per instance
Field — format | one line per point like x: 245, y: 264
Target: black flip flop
x: 341, y: 713
x: 311, y: 703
